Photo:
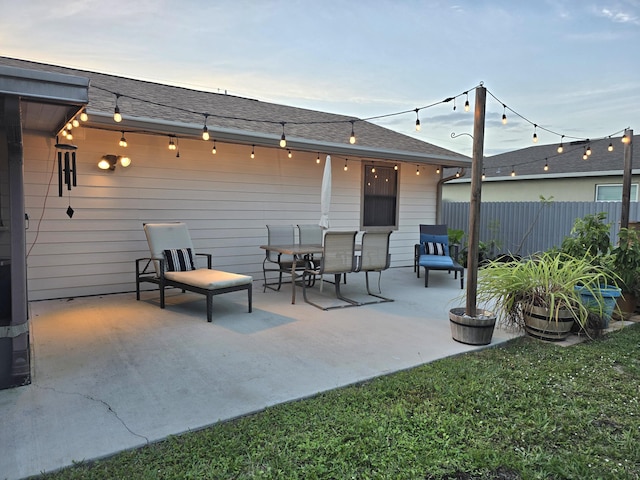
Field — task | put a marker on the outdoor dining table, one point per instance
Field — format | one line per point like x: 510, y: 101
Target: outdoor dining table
x: 298, y: 251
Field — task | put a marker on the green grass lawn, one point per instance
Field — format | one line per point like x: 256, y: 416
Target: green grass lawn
x: 524, y: 409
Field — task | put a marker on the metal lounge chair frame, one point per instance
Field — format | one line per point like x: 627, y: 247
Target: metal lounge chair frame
x: 205, y: 281
x: 436, y: 234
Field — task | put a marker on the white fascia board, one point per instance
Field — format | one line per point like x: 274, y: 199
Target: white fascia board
x: 546, y: 176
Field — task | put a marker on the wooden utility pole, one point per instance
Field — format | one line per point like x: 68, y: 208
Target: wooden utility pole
x: 474, y: 207
x: 626, y: 179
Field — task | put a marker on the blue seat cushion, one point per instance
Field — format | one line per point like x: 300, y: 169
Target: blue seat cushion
x: 436, y: 261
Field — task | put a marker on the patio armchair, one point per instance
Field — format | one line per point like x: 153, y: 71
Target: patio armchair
x: 432, y: 253
x: 338, y: 258
x: 374, y: 257
x: 172, y: 264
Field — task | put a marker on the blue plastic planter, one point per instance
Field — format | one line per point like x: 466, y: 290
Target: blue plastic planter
x: 609, y: 294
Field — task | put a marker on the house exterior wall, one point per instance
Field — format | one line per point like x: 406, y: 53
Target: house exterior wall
x: 562, y: 189
x: 225, y: 199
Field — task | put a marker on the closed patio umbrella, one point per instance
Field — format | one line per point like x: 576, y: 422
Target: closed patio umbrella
x: 325, y: 194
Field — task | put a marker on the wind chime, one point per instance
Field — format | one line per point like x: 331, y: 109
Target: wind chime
x: 67, y: 169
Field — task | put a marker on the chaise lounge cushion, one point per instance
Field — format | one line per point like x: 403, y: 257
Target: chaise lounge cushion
x: 436, y: 262
x: 209, y: 279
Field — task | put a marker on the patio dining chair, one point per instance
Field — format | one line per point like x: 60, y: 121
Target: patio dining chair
x: 275, y: 261
x: 374, y: 257
x: 338, y: 258
x: 173, y: 264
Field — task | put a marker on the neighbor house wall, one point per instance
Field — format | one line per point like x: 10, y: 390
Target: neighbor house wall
x: 562, y: 189
x: 225, y: 199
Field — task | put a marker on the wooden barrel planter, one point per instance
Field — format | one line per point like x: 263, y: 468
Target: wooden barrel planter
x: 539, y: 323
x: 472, y: 330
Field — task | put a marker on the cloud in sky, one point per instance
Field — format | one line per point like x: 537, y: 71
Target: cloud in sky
x: 561, y: 63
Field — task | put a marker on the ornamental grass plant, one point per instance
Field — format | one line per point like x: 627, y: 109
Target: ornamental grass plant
x: 521, y: 410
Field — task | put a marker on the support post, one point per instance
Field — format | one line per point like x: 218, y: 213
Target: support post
x: 474, y: 206
x: 626, y: 180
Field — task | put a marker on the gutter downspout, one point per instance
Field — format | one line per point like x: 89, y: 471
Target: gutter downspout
x: 439, y: 193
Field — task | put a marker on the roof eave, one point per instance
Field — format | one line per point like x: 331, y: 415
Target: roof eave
x: 105, y: 121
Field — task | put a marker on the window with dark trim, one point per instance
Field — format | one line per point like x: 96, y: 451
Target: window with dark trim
x: 380, y: 196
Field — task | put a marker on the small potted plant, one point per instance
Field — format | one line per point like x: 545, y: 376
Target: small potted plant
x: 540, y: 295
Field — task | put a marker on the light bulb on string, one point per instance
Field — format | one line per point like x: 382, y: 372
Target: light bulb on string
x: 417, y: 169
x: 352, y: 138
x: 117, y: 117
x: 64, y: 132
x: 283, y: 139
x: 513, y: 171
x: 588, y: 150
x: 69, y: 136
x: 610, y: 147
x: 318, y: 158
x: 484, y: 176
x: 253, y: 153
x: 214, y: 150
x: 417, y: 120
x: 75, y: 122
x: 205, y: 130
x: 69, y: 126
x: 289, y: 154
x: 546, y: 165
x: 345, y: 164
x: 83, y: 116
x: 535, y: 134
x: 625, y: 139
x: 395, y: 167
x: 373, y: 169
x: 504, y: 114
x: 438, y: 170
x: 584, y: 154
x: 466, y: 102
x: 561, y: 147
x: 458, y: 173
x: 123, y: 141
x: 172, y: 144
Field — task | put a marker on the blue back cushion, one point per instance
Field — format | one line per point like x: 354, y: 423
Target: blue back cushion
x: 425, y: 237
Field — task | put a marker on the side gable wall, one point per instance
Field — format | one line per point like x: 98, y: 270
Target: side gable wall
x: 226, y: 200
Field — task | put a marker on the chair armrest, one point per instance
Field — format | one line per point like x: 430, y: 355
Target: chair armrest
x: 208, y: 255
x: 454, y: 251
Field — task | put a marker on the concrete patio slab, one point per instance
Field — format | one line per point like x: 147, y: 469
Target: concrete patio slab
x: 112, y: 373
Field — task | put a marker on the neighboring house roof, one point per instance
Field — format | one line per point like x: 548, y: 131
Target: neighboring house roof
x: 144, y: 104
x: 528, y: 163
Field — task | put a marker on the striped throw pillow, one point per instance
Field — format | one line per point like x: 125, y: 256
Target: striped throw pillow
x: 179, y: 260
x: 434, y: 248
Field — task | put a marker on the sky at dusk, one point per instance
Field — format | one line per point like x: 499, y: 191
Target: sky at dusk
x: 572, y: 67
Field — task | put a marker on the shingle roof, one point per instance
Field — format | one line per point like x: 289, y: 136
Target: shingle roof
x: 148, y: 100
x: 530, y: 161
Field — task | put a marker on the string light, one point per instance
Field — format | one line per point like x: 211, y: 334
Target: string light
x: 584, y: 155
x: 546, y: 165
x: 417, y: 169
x: 466, y: 102
x: 318, y: 158
x: 345, y: 164
x: 373, y: 169
x: 484, y: 176
x: 289, y: 154
x: 283, y: 139
x: 588, y: 150
x: 535, y: 135
x: 214, y: 150
x: 610, y: 147
x: 352, y: 138
x: 253, y: 153
x: 205, y: 130
x: 417, y: 120
x: 625, y: 139
x: 172, y: 144
x: 561, y: 147
x: 83, y: 116
x: 123, y: 141
x: 395, y: 167
x: 125, y: 161
x: 69, y: 135
x: 513, y: 171
x: 116, y: 111
x: 458, y: 173
x: 438, y: 170
x: 75, y: 122
x: 64, y: 132
x: 504, y: 114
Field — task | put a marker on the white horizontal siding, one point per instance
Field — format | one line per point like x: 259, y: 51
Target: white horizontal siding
x: 226, y: 201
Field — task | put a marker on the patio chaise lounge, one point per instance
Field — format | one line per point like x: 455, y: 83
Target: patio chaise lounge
x: 174, y: 266
x: 432, y: 253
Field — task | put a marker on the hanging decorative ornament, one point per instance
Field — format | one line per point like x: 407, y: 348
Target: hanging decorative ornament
x: 68, y: 170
